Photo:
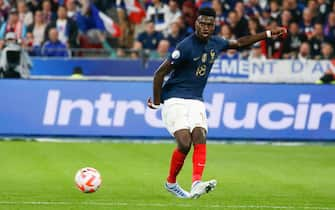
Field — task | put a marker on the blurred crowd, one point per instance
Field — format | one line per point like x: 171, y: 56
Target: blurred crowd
x: 152, y: 28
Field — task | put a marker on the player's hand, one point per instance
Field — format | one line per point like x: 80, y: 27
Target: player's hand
x: 278, y: 32
x: 151, y: 104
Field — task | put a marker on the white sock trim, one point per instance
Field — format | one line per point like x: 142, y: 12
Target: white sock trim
x: 171, y: 184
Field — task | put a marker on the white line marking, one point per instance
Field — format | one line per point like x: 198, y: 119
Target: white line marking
x: 215, y: 206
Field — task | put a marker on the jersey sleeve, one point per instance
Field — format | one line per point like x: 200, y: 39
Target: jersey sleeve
x: 178, y: 55
x: 222, y: 44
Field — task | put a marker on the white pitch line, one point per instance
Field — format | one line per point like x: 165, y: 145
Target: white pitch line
x: 216, y: 206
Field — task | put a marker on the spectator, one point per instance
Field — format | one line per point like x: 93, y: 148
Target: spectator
x: 285, y: 18
x: 173, y: 12
x: 242, y: 22
x: 272, y: 48
x: 226, y: 32
x: 256, y: 53
x: 295, y: 9
x: 162, y: 50
x: 184, y: 29
x: 265, y: 18
x: 137, y: 51
x: 37, y: 28
x: 189, y: 13
x: 13, y: 25
x: 275, y: 10
x: 304, y: 52
x: 306, y: 25
x: 30, y: 46
x: 239, y: 27
x: 150, y: 38
x: 48, y: 15
x: 67, y: 28
x: 329, y: 30
x: 254, y: 26
x: 175, y: 36
x: 327, y: 51
x: 333, y: 7
x: 240, y: 10
x: 263, y: 4
x: 317, y: 38
x: 243, y: 19
x: 323, y: 11
x: 312, y: 5
x: 33, y: 5
x: 53, y: 47
x: 253, y: 9
x: 126, y: 40
x: 158, y: 13
x: 71, y: 9
x: 293, y: 41
x: 4, y: 10
x: 25, y: 16
x: 220, y: 17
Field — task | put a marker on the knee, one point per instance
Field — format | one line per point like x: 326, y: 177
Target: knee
x: 184, y: 145
x: 199, y: 136
x: 184, y: 140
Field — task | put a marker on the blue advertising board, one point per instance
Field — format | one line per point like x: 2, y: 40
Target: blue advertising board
x: 267, y: 71
x: 93, y: 66
x: 118, y: 109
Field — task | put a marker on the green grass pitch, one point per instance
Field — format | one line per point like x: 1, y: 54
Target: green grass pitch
x: 37, y: 175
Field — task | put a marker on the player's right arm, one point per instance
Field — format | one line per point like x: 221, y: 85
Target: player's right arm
x: 164, y: 69
x: 178, y: 56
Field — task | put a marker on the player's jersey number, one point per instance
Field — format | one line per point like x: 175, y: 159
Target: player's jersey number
x: 201, y: 70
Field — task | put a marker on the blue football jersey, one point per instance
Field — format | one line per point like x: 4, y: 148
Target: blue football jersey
x: 192, y: 61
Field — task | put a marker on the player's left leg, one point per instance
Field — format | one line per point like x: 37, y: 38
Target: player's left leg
x: 198, y: 136
x: 199, y: 161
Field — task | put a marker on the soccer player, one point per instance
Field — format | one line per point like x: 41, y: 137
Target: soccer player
x: 183, y: 110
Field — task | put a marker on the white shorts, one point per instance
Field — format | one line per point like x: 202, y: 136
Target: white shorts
x: 179, y: 113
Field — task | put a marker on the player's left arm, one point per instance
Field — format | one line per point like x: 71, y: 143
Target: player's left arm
x: 251, y: 39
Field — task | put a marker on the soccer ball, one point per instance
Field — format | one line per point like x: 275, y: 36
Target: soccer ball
x: 88, y: 180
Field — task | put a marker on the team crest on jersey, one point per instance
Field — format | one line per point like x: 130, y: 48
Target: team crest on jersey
x: 175, y: 54
x: 204, y: 58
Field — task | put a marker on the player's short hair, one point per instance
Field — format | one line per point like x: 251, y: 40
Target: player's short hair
x: 207, y: 11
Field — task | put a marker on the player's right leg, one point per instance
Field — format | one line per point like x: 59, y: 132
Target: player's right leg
x: 183, y: 138
x: 174, y: 115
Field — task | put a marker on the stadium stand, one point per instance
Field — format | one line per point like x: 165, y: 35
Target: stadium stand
x: 82, y: 29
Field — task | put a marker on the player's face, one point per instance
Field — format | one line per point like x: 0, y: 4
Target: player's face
x: 204, y: 26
